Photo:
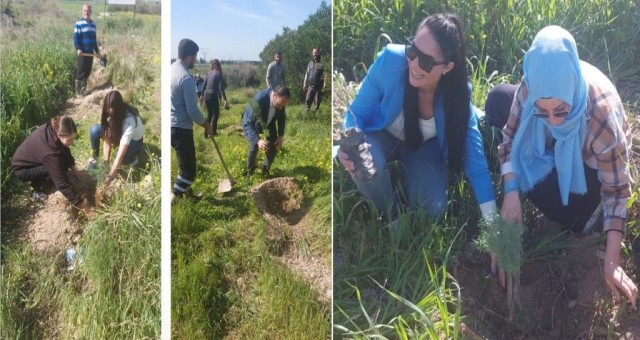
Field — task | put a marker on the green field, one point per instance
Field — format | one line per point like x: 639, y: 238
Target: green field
x: 115, y: 291
x: 226, y: 276
x: 404, y: 284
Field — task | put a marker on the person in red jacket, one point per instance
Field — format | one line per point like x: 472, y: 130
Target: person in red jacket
x: 44, y: 158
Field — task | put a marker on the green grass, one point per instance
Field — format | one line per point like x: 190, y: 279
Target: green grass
x: 115, y: 292
x: 381, y: 285
x: 225, y: 280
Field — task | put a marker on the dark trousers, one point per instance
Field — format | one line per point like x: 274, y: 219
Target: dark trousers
x: 213, y: 110
x: 313, y: 93
x: 182, y: 142
x: 546, y: 194
x: 253, y: 152
x: 38, y: 177
x: 83, y: 67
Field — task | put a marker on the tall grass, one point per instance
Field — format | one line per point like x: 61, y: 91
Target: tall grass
x: 378, y: 273
x: 35, y: 85
x: 226, y: 281
x: 606, y: 30
x: 115, y: 291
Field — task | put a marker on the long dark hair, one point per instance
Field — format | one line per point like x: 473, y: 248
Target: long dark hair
x: 112, y: 128
x: 448, y: 32
x: 63, y: 126
x: 215, y: 65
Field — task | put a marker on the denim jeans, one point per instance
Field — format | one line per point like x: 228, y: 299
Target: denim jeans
x: 425, y: 175
x: 132, y: 150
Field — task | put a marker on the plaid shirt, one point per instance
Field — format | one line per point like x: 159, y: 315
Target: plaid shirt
x: 605, y: 147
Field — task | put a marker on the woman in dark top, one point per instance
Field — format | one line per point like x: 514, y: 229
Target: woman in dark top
x: 213, y: 90
x: 44, y: 158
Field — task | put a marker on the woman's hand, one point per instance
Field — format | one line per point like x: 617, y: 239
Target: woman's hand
x: 87, y: 210
x: 617, y: 280
x: 345, y: 161
x: 511, y: 211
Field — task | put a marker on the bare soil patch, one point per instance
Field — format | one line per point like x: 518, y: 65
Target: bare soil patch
x: 562, y: 297
x: 282, y: 205
x: 57, y: 225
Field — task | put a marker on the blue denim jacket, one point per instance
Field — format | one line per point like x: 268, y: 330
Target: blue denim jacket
x: 184, y: 104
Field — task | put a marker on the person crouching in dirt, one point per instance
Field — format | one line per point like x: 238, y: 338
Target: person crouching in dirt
x: 44, y: 158
x: 566, y: 143
x: 415, y: 107
x: 265, y: 110
x: 120, y: 126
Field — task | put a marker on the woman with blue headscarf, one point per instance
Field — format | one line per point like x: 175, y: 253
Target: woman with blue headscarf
x: 565, y: 145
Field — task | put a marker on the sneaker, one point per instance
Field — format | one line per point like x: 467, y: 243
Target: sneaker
x: 38, y: 196
x: 91, y: 164
x: 174, y: 198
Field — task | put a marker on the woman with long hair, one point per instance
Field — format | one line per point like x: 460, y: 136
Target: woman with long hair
x: 213, y: 91
x: 44, y: 160
x: 414, y: 106
x: 121, y: 127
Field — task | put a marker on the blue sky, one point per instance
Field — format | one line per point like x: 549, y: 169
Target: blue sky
x: 235, y: 29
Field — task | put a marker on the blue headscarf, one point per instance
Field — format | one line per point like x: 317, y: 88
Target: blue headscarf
x: 552, y: 70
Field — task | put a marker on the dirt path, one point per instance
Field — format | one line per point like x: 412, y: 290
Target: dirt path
x: 563, y: 296
x: 282, y: 204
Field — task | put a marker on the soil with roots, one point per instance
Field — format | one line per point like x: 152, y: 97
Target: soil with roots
x: 282, y: 205
x: 563, y: 294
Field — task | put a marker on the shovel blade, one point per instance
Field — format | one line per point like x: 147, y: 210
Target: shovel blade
x: 225, y: 185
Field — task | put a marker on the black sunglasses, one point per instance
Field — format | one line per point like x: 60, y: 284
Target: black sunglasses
x: 425, y: 61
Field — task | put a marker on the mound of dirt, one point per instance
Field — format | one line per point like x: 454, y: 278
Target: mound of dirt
x: 87, y: 106
x: 278, y: 199
x: 56, y: 226
x: 233, y: 130
x: 562, y: 297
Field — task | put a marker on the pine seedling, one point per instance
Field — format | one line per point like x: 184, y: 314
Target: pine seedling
x: 504, y: 239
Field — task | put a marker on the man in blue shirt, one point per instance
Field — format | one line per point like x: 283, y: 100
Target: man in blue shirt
x: 85, y: 41
x: 185, y: 112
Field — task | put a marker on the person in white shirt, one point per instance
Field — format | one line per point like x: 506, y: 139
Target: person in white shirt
x: 121, y: 127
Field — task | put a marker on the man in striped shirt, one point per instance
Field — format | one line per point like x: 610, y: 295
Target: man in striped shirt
x: 86, y: 42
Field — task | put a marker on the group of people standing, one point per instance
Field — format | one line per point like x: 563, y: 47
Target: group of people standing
x: 265, y: 113
x: 566, y: 138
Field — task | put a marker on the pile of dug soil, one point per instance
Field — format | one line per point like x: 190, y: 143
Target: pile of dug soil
x: 56, y: 225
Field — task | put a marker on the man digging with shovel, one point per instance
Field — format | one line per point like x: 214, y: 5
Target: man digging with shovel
x: 86, y: 43
x: 185, y: 112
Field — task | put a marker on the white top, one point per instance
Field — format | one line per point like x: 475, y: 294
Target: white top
x: 131, y: 130
x: 427, y: 127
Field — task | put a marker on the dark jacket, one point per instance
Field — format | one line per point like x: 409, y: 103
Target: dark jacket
x: 256, y: 114
x: 43, y: 147
x: 215, y: 84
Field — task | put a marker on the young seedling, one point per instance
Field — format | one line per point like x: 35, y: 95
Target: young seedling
x: 504, y: 239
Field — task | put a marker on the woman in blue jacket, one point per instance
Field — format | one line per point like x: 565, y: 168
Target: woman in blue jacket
x: 414, y: 106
